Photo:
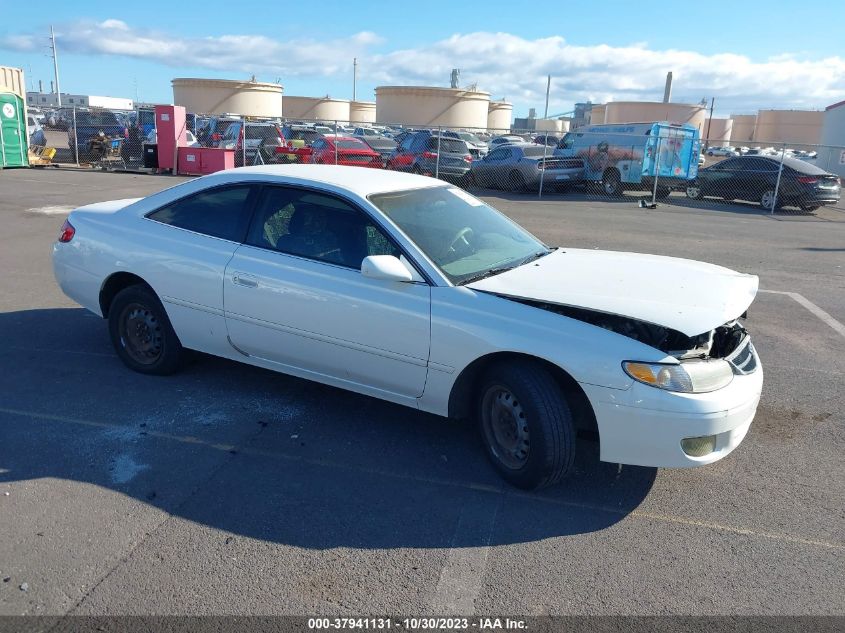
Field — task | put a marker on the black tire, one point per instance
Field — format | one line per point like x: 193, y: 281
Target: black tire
x: 663, y: 192
x: 141, y: 332
x: 516, y: 181
x: 611, y: 183
x: 540, y: 453
x: 809, y: 208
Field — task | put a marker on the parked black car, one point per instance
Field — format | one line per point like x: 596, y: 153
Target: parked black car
x: 430, y: 154
x: 211, y: 132
x: 756, y: 178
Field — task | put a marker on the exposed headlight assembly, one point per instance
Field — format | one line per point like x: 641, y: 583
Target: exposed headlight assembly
x: 698, y: 376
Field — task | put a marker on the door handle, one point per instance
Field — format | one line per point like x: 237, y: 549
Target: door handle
x: 248, y: 282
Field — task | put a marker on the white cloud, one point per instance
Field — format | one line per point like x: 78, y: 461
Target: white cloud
x: 504, y: 64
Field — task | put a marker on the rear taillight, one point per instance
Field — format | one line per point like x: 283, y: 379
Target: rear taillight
x: 807, y: 180
x: 67, y: 232
x: 216, y: 136
x: 468, y: 158
x: 429, y: 154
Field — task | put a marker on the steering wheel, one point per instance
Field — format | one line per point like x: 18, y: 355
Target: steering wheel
x: 460, y: 240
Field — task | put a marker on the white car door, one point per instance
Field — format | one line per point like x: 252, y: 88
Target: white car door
x: 294, y: 295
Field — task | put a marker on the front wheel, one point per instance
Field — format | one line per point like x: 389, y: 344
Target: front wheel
x: 694, y: 192
x: 526, y: 425
x: 141, y: 332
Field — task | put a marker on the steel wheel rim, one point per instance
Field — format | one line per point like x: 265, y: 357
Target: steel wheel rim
x: 141, y: 334
x: 505, y: 427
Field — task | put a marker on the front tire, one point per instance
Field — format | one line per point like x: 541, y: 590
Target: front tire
x: 768, y: 198
x: 526, y: 424
x: 141, y: 332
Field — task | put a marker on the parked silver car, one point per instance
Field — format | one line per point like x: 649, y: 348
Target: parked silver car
x: 518, y: 167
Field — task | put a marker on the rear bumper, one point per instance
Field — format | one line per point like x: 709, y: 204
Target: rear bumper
x: 644, y: 426
x: 455, y: 171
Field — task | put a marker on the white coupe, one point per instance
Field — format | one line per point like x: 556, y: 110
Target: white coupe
x: 411, y: 290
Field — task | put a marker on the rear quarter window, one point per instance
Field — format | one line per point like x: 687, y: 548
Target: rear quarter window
x: 221, y: 212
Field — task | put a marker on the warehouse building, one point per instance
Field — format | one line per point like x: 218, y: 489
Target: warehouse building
x: 68, y: 100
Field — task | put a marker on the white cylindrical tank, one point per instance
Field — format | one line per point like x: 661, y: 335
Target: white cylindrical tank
x: 831, y: 154
x: 796, y: 128
x: 717, y: 132
x: 317, y: 108
x: 427, y: 106
x: 646, y: 111
x: 362, y: 111
x: 221, y: 96
x: 742, y: 131
x: 499, y: 116
x: 597, y: 113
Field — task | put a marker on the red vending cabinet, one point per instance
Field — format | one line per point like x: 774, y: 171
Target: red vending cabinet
x: 171, y: 133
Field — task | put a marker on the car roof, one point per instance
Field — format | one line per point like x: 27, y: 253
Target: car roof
x: 362, y: 182
x: 788, y: 161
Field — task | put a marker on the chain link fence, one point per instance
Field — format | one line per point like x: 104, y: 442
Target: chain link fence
x: 637, y: 163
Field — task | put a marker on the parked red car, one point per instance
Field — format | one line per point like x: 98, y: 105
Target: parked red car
x: 334, y: 149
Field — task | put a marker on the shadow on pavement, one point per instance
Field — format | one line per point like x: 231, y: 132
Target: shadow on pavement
x: 270, y: 457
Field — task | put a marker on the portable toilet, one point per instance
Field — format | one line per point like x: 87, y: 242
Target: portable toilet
x: 13, y: 141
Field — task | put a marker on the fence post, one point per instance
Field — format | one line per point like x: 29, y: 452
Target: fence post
x: 75, y: 141
x: 543, y: 170
x: 656, y: 171
x: 336, y: 140
x: 243, y: 142
x: 437, y: 158
x: 777, y: 183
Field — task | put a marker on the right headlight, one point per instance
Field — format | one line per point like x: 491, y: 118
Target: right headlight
x: 697, y: 376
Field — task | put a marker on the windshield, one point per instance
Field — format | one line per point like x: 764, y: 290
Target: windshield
x: 472, y: 138
x: 447, y: 145
x: 463, y: 236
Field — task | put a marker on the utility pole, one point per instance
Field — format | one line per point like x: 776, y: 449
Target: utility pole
x: 354, y: 76
x: 55, y: 66
x: 710, y: 122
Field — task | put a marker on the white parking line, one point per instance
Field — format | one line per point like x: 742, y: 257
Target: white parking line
x: 463, y: 572
x: 812, y: 307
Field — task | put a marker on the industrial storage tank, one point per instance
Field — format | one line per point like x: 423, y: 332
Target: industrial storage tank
x: 362, y: 111
x: 794, y: 127
x: 428, y: 106
x: 717, y: 132
x: 831, y: 155
x: 222, y: 96
x: 317, y: 108
x: 645, y: 111
x: 552, y: 126
x: 499, y: 116
x: 597, y: 113
x: 742, y: 131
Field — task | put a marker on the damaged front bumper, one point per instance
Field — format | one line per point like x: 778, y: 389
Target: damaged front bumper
x: 645, y: 426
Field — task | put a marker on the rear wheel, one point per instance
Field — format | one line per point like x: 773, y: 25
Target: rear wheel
x: 611, y: 183
x: 663, y: 192
x: 141, y: 332
x: 767, y: 200
x: 526, y: 424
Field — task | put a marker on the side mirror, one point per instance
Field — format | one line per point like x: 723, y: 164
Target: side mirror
x: 385, y: 267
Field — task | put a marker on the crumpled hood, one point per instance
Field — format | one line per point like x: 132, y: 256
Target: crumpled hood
x: 682, y: 294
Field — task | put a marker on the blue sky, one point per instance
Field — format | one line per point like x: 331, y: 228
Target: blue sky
x: 744, y: 55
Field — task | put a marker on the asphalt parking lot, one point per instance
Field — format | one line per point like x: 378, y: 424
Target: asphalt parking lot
x: 231, y: 490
